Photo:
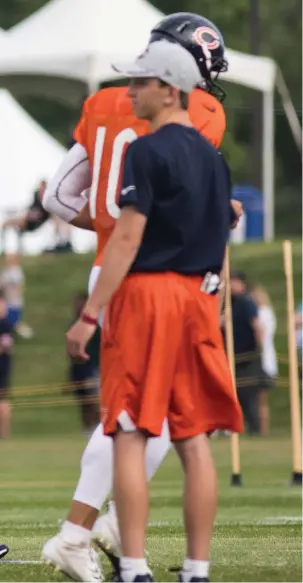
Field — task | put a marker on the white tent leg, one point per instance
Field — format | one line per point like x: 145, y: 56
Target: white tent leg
x: 268, y: 164
x: 92, y: 82
x: 289, y: 109
x: 92, y: 86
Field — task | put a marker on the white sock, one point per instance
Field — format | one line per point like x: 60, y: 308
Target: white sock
x: 74, y: 534
x: 132, y: 567
x: 96, y: 478
x: 193, y: 568
x: 156, y: 450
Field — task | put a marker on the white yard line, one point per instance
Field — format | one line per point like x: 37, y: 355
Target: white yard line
x: 20, y: 562
x: 267, y: 521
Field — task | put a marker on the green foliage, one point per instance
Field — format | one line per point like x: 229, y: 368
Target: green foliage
x: 13, y: 11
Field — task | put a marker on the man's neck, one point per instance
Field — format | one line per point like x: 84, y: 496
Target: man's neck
x: 164, y: 117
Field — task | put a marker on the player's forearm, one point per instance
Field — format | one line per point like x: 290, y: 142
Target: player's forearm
x: 64, y: 194
x: 83, y: 219
x: 259, y: 338
x: 118, y: 257
x: 236, y: 212
x: 258, y: 332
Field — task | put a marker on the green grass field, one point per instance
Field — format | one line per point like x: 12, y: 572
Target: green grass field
x: 258, y: 530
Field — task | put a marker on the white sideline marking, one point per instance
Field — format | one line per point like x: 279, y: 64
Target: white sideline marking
x: 267, y: 521
x: 20, y: 562
x: 276, y: 520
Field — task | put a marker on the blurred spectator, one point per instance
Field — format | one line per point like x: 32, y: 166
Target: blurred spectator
x: 85, y: 376
x: 36, y: 216
x: 6, y: 349
x: 12, y: 283
x: 269, y: 358
x: 248, y: 339
x: 62, y: 236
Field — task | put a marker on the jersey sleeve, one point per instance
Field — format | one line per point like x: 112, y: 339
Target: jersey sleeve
x: 137, y: 187
x: 64, y: 194
x: 208, y: 116
x: 214, y: 130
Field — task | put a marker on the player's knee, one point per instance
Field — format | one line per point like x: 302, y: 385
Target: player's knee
x: 97, y: 447
x: 193, y: 451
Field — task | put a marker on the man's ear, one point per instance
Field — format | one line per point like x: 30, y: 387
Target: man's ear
x: 171, y: 95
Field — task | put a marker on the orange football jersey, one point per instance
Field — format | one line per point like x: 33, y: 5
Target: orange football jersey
x: 107, y: 126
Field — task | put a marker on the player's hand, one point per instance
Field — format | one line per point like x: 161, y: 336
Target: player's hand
x: 77, y: 338
x: 238, y: 210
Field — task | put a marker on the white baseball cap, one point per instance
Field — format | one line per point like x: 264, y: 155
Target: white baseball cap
x: 167, y: 61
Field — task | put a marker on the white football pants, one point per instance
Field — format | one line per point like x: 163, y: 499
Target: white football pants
x: 96, y: 478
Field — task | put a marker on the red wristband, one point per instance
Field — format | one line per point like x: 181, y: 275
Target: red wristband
x: 88, y: 319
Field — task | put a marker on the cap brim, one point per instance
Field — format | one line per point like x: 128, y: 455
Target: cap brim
x: 131, y: 70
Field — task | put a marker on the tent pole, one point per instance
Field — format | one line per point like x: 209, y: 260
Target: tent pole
x: 268, y: 165
x: 92, y: 86
x: 289, y: 109
x: 92, y: 83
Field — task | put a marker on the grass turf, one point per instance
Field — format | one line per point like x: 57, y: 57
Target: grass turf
x: 258, y: 529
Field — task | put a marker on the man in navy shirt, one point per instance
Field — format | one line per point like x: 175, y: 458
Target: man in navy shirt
x: 180, y: 185
x: 248, y: 340
x: 163, y: 354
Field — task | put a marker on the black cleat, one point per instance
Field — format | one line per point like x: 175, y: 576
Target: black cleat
x: 138, y: 579
x: 3, y: 551
x: 112, y: 557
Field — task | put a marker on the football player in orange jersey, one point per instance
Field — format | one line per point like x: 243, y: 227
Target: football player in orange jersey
x: 92, y: 171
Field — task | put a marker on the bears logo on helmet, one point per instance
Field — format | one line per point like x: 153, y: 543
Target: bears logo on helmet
x: 208, y: 37
x: 202, y: 39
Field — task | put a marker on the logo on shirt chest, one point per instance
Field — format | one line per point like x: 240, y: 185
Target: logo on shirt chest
x: 128, y: 189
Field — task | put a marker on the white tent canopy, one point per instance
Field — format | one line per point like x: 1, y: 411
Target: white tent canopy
x: 250, y: 70
x: 28, y: 154
x: 72, y: 43
x: 78, y: 39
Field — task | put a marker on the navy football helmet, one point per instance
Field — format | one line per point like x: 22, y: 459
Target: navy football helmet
x: 202, y: 39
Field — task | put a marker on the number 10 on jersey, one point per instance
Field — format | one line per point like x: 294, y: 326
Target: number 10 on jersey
x: 126, y: 136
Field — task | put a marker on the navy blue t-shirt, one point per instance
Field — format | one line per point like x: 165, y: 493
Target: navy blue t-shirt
x: 180, y: 183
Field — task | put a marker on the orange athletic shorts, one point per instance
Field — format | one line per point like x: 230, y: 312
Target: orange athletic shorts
x: 163, y: 356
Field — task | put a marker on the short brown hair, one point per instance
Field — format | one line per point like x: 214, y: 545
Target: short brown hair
x: 184, y: 97
x: 184, y: 100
